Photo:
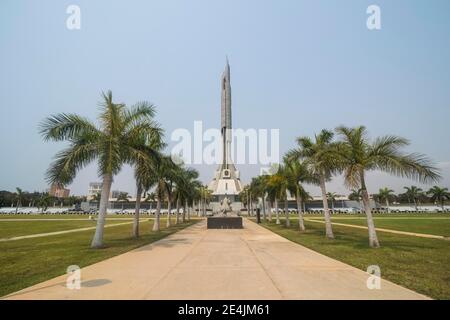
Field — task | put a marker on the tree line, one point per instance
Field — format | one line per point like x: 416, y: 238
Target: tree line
x: 345, y: 151
x: 124, y: 135
x: 21, y: 198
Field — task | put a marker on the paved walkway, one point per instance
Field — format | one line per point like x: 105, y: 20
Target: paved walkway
x: 195, y: 263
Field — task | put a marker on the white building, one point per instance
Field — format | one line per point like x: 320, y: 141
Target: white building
x: 94, y: 188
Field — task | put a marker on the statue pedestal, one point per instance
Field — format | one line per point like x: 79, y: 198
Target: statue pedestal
x: 224, y: 223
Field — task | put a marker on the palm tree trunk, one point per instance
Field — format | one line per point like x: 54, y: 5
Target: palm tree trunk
x: 328, y: 228
x: 169, y: 208
x: 136, y: 212
x: 189, y: 211
x: 264, y: 207
x: 301, y: 223
x: 177, y: 220
x: 415, y: 204
x: 286, y: 208
x: 97, y: 241
x: 387, y: 206
x: 373, y: 239
x: 196, y: 205
x: 276, y: 212
x: 156, y: 224
x: 269, y: 209
x: 17, y: 206
x: 183, y: 217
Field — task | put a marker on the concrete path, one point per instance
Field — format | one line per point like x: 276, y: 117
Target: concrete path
x: 195, y: 263
x: 405, y: 233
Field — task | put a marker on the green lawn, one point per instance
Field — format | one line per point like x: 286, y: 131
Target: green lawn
x: 34, y: 224
x: 429, y: 225
x: 420, y: 264
x: 64, y: 216
x: 30, y: 261
x: 20, y: 228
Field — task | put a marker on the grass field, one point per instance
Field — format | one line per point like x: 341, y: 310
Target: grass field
x: 62, y: 216
x: 416, y: 263
x: 429, y: 225
x: 35, y: 224
x: 14, y: 229
x: 29, y: 261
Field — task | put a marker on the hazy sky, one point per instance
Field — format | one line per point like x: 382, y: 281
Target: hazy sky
x: 299, y: 66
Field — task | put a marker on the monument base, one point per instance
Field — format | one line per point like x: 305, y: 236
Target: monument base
x: 224, y: 223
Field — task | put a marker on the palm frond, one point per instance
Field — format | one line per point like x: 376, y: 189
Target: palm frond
x: 414, y: 166
x: 66, y: 127
x: 68, y: 161
x: 140, y: 111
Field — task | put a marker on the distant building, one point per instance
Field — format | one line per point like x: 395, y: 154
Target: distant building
x: 116, y: 193
x: 94, y: 189
x: 58, y: 191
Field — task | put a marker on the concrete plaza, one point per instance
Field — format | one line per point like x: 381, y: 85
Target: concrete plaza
x: 196, y: 263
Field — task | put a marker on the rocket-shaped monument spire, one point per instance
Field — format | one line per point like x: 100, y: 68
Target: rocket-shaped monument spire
x: 226, y: 178
x: 226, y: 99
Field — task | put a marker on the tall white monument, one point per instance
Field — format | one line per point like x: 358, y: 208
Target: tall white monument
x: 226, y: 184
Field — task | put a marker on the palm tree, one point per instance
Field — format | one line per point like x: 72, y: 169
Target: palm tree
x: 151, y: 197
x: 298, y: 174
x: 280, y: 184
x: 186, y: 181
x: 19, y: 198
x: 358, y: 155
x: 331, y: 196
x: 196, y: 197
x: 144, y: 172
x: 262, y: 190
x: 320, y: 158
x: 258, y: 190
x: 305, y: 196
x: 385, y: 194
x: 159, y: 199
x: 120, y: 138
x: 145, y: 179
x: 356, y: 195
x: 177, y: 198
x: 272, y: 184
x: 243, y: 196
x: 439, y: 195
x: 122, y: 198
x: 191, y: 195
x: 413, y: 193
x: 165, y: 172
x: 205, y: 196
x: 44, y: 202
x: 271, y: 198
